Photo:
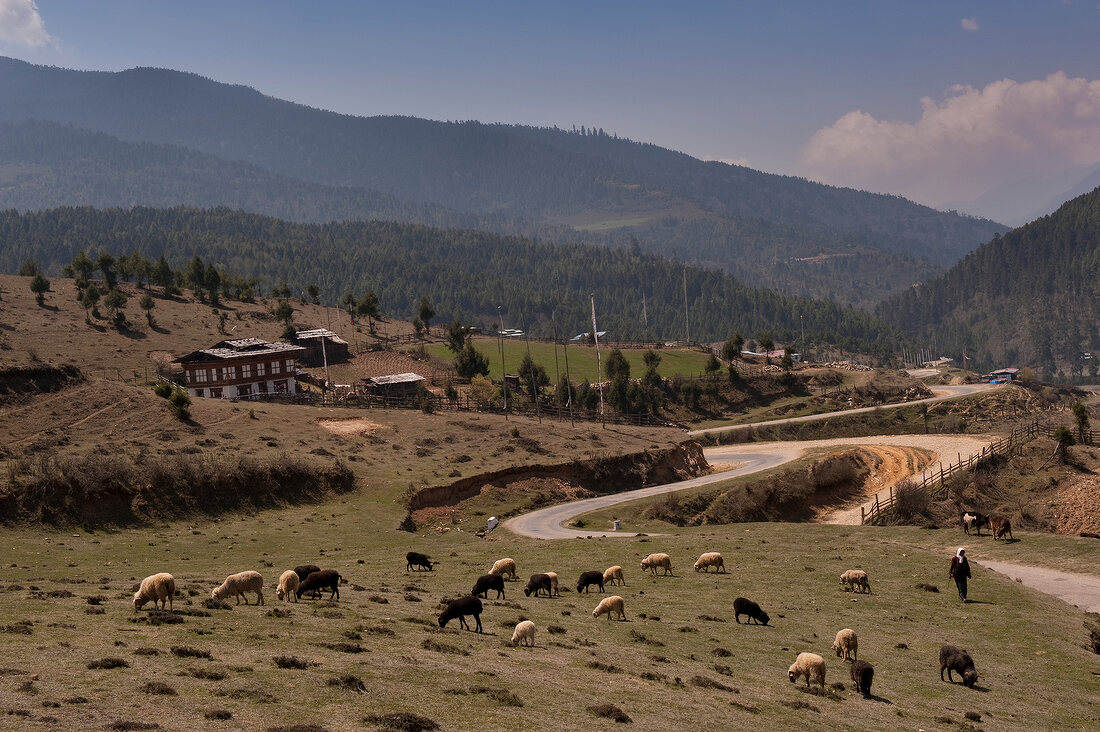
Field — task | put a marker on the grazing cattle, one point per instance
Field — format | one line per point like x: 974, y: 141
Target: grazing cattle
x: 540, y: 583
x: 1001, y: 526
x: 418, y: 560
x: 488, y: 582
x: 972, y: 521
x: 460, y: 608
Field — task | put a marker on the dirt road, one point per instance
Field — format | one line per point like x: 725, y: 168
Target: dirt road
x: 1081, y: 590
x: 942, y: 394
x: 547, y: 523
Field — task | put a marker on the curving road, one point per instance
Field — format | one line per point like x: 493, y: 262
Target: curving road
x: 942, y: 393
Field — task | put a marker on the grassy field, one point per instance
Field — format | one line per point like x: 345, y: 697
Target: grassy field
x: 582, y: 358
x: 661, y: 667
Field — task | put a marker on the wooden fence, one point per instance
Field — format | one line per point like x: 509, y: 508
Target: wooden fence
x: 935, y: 482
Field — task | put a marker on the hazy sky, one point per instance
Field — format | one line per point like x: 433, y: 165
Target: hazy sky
x: 937, y: 101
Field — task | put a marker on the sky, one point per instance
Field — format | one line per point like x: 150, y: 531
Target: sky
x: 936, y: 101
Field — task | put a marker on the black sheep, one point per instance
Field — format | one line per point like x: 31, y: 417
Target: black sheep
x: 590, y: 578
x: 959, y: 661
x: 304, y: 571
x: 488, y: 582
x: 744, y: 606
x: 416, y: 559
x: 863, y: 673
x: 460, y: 608
x: 325, y: 579
x: 536, y: 583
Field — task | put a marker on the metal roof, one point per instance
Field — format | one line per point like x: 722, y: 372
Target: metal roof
x: 395, y: 379
x: 243, y: 348
x: 319, y: 333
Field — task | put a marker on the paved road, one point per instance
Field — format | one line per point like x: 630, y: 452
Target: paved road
x: 1081, y: 590
x: 942, y: 393
x: 546, y: 523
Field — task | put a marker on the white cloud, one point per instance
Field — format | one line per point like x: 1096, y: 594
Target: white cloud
x: 970, y: 24
x: 965, y: 144
x: 21, y: 24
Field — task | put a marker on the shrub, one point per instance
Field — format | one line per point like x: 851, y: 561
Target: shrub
x: 429, y: 645
x: 612, y: 712
x: 348, y: 681
x: 146, y: 652
x: 218, y: 714
x: 911, y: 500
x: 402, y: 722
x: 188, y: 652
x: 158, y: 687
x: 704, y: 683
x: 291, y: 662
x: 129, y: 724
x: 210, y: 674
x: 500, y: 696
x: 927, y: 587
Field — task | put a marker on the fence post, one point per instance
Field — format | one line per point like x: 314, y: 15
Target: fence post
x: 862, y: 514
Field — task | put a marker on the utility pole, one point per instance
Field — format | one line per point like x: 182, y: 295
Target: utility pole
x: 599, y: 364
x: 802, y: 321
x: 687, y: 330
x: 503, y: 372
x: 568, y: 381
x: 557, y: 375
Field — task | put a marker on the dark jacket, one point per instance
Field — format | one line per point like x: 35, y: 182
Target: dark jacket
x: 959, y: 568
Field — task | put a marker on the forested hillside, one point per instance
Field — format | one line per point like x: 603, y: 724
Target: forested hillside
x: 1031, y: 297
x: 773, y: 230
x: 466, y: 274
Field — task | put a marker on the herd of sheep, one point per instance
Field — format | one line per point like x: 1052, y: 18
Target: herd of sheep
x: 160, y: 589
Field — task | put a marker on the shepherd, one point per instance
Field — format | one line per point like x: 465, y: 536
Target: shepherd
x: 960, y: 572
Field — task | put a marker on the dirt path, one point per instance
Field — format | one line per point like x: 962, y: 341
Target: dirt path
x: 1080, y: 590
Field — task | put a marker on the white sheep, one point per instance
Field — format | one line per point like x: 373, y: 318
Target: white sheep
x: 525, y: 632
x: 846, y: 644
x: 236, y: 585
x: 608, y: 605
x: 809, y: 665
x: 657, y: 560
x: 708, y: 560
x: 504, y: 567
x: 156, y: 588
x: 856, y: 579
x: 553, y: 584
x: 288, y: 585
x: 611, y: 574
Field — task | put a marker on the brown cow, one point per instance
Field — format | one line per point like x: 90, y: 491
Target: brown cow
x: 1000, y: 526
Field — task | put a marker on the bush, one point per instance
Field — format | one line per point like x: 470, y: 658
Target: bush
x: 348, y: 681
x: 402, y: 722
x: 188, y: 652
x: 612, y: 712
x: 158, y: 687
x: 108, y: 663
x: 291, y: 662
x: 218, y: 714
x: 911, y: 500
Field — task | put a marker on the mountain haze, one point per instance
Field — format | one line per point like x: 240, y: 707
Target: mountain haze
x: 772, y: 230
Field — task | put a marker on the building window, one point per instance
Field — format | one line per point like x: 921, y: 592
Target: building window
x: 276, y: 367
x: 290, y: 365
x: 244, y: 390
x: 231, y: 373
x: 246, y: 371
x: 262, y: 386
x: 260, y: 369
x: 216, y: 393
x: 198, y: 376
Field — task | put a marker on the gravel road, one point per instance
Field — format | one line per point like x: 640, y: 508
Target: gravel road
x: 1081, y: 590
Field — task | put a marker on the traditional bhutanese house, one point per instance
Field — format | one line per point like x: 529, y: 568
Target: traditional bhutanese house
x: 395, y: 385
x: 241, y: 368
x: 334, y: 347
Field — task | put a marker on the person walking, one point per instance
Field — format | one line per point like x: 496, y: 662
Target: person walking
x: 960, y: 572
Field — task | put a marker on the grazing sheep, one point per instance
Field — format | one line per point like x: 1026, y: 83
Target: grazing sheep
x: 613, y: 604
x: 418, y: 560
x: 305, y: 570
x: 460, y: 608
x: 488, y: 582
x: 612, y: 575
x: 745, y: 606
x: 505, y: 567
x: 959, y: 661
x: 863, y: 673
x: 538, y: 583
x: 288, y: 585
x: 809, y: 665
x: 325, y: 579
x: 846, y: 644
x: 708, y: 560
x: 158, y: 587
x: 657, y: 560
x: 554, y: 583
x: 525, y: 631
x: 235, y: 585
x: 856, y: 579
x: 589, y: 578
x: 1000, y: 525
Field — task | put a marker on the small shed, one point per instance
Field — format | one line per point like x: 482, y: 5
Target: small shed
x: 395, y: 385
x: 1005, y: 375
x: 320, y: 345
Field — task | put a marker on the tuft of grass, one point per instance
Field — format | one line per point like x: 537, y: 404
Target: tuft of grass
x: 927, y: 587
x: 555, y: 630
x: 189, y: 652
x: 129, y: 724
x: 639, y: 638
x: 973, y: 716
x: 704, y: 683
x: 377, y: 630
x: 343, y: 647
x: 212, y: 604
x: 402, y: 722
x: 210, y: 674
x: 348, y: 681
x: 501, y: 696
x: 108, y: 663
x: 218, y: 714
x: 800, y: 705
x: 157, y: 687
x: 76, y: 700
x: 291, y: 662
x: 278, y: 613
x: 612, y: 712
x: 144, y: 651
x: 430, y: 645
x: 721, y: 653
x: 609, y: 668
